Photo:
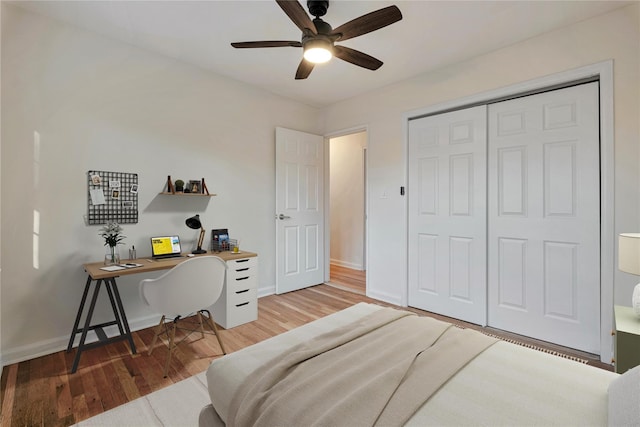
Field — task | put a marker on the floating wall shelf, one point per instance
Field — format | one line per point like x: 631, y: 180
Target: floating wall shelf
x: 166, y: 193
x: 202, y: 186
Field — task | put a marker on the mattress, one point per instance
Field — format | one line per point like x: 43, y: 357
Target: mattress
x: 507, y: 384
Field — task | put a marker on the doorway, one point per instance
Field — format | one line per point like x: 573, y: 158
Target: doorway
x: 347, y: 211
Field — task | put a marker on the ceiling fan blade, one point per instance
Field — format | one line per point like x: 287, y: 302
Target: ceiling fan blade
x: 357, y: 58
x: 367, y: 23
x: 296, y: 13
x: 266, y: 43
x: 304, y: 69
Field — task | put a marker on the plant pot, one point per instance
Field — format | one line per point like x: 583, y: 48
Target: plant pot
x: 112, y: 256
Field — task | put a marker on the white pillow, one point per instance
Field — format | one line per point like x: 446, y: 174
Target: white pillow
x: 624, y: 399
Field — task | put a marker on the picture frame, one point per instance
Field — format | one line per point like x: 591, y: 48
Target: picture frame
x: 115, y: 194
x: 195, y: 186
x: 114, y: 184
x: 134, y: 188
x: 96, y: 179
x: 127, y: 204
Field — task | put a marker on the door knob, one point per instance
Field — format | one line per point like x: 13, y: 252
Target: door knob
x: 283, y: 216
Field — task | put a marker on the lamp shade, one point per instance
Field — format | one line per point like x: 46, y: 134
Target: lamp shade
x: 194, y: 222
x: 629, y: 253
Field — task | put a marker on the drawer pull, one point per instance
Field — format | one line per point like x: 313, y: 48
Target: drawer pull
x: 242, y: 269
x: 242, y: 278
x: 242, y: 292
x: 242, y: 260
x: 240, y: 305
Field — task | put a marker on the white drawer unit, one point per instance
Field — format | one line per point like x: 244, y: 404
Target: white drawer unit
x: 238, y: 303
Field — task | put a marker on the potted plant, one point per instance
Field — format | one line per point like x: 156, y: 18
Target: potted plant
x: 112, y: 234
x: 179, y: 185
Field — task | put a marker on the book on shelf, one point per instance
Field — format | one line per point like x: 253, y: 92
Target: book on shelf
x: 220, y: 239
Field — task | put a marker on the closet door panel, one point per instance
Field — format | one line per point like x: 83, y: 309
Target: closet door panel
x: 544, y: 198
x: 447, y: 214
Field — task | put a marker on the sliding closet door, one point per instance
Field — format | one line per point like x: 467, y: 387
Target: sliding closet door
x: 447, y: 214
x: 544, y: 217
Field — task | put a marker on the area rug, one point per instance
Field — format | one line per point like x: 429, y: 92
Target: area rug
x: 176, y: 405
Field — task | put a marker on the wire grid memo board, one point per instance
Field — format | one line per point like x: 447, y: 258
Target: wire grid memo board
x: 112, y: 196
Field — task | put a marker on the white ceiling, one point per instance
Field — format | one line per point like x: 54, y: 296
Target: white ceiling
x: 431, y: 35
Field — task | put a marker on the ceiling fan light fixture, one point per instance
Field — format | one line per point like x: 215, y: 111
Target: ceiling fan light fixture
x: 317, y: 51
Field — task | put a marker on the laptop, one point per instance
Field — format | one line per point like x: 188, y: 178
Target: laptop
x: 165, y: 247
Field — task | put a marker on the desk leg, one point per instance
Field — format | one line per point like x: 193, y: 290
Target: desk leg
x: 79, y: 315
x: 87, y: 326
x: 125, y: 323
x: 116, y: 312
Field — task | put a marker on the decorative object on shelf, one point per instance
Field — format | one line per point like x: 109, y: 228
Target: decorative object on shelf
x: 112, y: 234
x: 179, y: 185
x: 629, y: 262
x: 194, y: 223
x: 195, y: 187
x: 112, y: 197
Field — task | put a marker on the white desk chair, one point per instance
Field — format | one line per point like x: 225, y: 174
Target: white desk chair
x: 188, y: 288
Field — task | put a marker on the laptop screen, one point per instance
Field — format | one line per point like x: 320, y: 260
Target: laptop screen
x: 165, y: 245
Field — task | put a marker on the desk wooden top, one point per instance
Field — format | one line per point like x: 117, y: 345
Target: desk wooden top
x: 148, y: 264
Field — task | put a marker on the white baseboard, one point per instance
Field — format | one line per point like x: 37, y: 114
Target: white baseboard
x: 381, y: 296
x: 346, y: 264
x: 266, y: 291
x: 54, y: 345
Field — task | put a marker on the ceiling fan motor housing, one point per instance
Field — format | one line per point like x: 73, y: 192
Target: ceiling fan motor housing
x: 321, y: 26
x: 318, y: 7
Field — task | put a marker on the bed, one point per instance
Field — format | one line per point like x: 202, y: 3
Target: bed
x: 503, y: 384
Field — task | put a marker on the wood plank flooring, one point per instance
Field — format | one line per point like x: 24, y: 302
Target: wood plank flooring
x: 41, y: 392
x: 348, y: 279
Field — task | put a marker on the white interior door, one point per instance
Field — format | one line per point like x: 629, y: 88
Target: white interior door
x: 447, y: 214
x: 544, y: 217
x: 299, y: 210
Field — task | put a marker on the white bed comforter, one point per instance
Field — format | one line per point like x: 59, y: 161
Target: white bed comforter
x: 506, y: 385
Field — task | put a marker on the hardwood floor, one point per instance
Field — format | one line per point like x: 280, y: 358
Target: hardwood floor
x: 348, y: 279
x: 41, y: 392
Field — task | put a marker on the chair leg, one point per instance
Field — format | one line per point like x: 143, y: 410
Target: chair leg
x: 201, y: 325
x: 172, y: 346
x: 157, y: 331
x: 215, y: 330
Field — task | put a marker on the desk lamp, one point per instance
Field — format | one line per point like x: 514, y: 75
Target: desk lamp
x: 629, y: 262
x: 194, y: 223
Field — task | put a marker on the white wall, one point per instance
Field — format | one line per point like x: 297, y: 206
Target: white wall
x: 100, y: 104
x: 347, y: 199
x: 612, y: 36
x: 1, y: 359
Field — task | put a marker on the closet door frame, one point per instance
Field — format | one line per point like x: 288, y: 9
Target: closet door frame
x: 603, y: 73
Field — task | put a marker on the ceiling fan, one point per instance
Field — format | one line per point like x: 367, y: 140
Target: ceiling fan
x: 318, y: 37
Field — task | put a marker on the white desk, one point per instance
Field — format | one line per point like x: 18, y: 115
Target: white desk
x: 238, y: 303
